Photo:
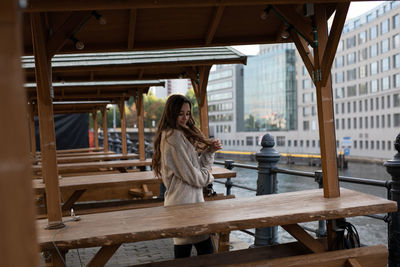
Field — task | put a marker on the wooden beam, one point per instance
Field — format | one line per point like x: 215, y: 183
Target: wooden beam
x: 301, y: 24
x: 32, y: 127
x: 72, y: 199
x: 304, y: 238
x: 132, y: 28
x: 68, y: 28
x: 325, y: 112
x: 305, y: 53
x: 46, y: 121
x: 140, y: 120
x: 95, y: 130
x: 333, y: 40
x: 202, y: 96
x: 219, y: 11
x: 103, y: 255
x: 123, y: 126
x: 105, y: 128
x: 18, y: 246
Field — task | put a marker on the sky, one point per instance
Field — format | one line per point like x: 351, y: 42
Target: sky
x: 356, y: 9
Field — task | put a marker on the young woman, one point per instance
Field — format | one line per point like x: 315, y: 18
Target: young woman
x: 177, y: 146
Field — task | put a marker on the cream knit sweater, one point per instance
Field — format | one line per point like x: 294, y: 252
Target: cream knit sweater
x: 184, y: 174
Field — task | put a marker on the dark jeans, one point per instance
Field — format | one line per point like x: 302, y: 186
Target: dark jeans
x: 203, y: 247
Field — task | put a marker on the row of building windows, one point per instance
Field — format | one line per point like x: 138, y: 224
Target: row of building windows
x: 373, y: 86
x: 220, y: 107
x: 368, y: 104
x: 220, y: 117
x: 377, y: 121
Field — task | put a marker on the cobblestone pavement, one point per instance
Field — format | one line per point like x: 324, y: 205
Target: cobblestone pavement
x: 136, y: 253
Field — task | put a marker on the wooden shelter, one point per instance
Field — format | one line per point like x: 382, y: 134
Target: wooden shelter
x: 52, y: 27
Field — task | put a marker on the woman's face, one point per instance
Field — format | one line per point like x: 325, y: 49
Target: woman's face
x: 184, y: 115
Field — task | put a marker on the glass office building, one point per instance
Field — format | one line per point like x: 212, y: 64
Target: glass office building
x: 270, y: 95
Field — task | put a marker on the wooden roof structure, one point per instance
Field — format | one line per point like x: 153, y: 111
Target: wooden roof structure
x: 63, y: 26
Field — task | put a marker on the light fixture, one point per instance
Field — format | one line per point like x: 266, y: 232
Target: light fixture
x: 99, y: 17
x: 285, y: 34
x: 264, y: 14
x: 78, y: 44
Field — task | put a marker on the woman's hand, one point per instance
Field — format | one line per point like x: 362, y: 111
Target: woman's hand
x: 216, y: 145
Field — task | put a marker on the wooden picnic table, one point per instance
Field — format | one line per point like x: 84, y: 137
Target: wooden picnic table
x: 111, y: 186
x: 109, y: 230
x: 121, y: 165
x: 80, y: 154
x: 94, y: 157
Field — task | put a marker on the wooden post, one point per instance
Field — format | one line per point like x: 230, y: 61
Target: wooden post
x: 123, y: 126
x: 32, y: 128
x: 325, y: 110
x: 105, y: 129
x: 18, y: 246
x: 200, y: 89
x: 46, y: 121
x: 140, y: 119
x: 95, y: 130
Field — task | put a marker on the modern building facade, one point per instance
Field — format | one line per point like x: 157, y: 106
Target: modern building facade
x: 366, y: 89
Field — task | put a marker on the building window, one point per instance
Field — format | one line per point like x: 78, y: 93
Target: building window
x: 306, y: 83
x: 388, y: 101
x: 343, y: 124
x: 351, y: 74
x: 363, y: 88
x: 351, y: 42
x: 377, y: 121
x: 373, y: 32
x: 372, y: 144
x: 339, y: 61
x: 295, y: 143
x: 355, y: 144
x: 280, y: 140
x: 383, y: 121
x: 242, y: 142
x: 383, y: 145
x: 382, y: 102
x: 373, y: 50
x: 307, y: 143
x: 389, y: 121
x: 377, y: 145
x: 385, y: 64
x: 385, y: 26
x: 360, y: 106
x: 372, y: 121
x: 396, y: 120
x: 366, y: 122
x: 374, y: 68
x: 396, y: 80
x: 351, y: 58
x: 374, y: 86
x: 385, y: 45
x: 377, y: 103
x: 313, y: 143
x: 361, y: 144
x: 396, y: 100
x: 366, y: 144
x: 354, y: 123
x: 363, y: 71
x: 339, y: 92
x: 396, y: 61
x: 336, y: 108
x: 365, y: 105
x: 354, y: 106
x: 301, y: 143
x: 339, y: 77
x: 351, y: 91
x: 348, y: 107
x: 362, y: 37
x: 342, y: 108
x: 385, y: 83
x: 396, y: 41
x: 306, y: 125
x: 348, y: 123
x: 389, y: 145
x: 337, y: 124
x: 363, y: 54
x: 396, y: 21
x: 371, y: 104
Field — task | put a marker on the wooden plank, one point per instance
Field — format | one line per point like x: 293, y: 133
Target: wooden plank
x: 32, y: 128
x: 95, y: 130
x: 333, y: 41
x: 95, y: 158
x: 123, y: 127
x: 219, y: 11
x: 140, y: 119
x: 103, y: 255
x: 132, y: 27
x: 325, y: 113
x: 17, y: 230
x: 46, y: 121
x: 105, y: 129
x: 305, y: 53
x: 211, y: 217
x: 304, y: 238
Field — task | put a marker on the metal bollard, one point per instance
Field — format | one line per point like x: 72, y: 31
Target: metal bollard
x: 393, y: 168
x: 228, y: 183
x: 321, y: 224
x: 267, y: 159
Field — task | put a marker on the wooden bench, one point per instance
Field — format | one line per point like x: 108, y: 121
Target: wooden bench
x: 93, y: 158
x: 291, y: 254
x: 120, y: 165
x: 109, y: 230
x: 111, y: 187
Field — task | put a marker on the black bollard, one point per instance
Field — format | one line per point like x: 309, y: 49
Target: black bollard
x: 228, y: 183
x: 267, y: 159
x: 393, y: 168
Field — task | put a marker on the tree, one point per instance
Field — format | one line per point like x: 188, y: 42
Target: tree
x: 195, y: 106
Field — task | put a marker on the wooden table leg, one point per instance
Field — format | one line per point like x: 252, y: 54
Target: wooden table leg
x: 103, y: 255
x: 304, y: 238
x: 223, y: 242
x: 72, y: 199
x: 55, y: 258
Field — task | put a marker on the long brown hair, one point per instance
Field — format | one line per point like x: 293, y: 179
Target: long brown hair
x: 168, y: 122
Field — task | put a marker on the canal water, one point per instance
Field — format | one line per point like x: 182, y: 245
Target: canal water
x: 371, y: 231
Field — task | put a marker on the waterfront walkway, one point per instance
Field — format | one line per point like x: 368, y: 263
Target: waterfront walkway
x: 136, y: 253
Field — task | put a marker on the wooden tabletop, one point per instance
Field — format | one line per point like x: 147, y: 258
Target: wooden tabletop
x: 93, y: 153
x: 90, y: 166
x: 213, y: 216
x: 117, y: 179
x: 94, y: 157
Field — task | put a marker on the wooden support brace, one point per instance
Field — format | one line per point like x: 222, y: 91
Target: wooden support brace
x: 304, y: 238
x: 103, y: 255
x: 214, y: 24
x: 352, y: 262
x: 72, y: 199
